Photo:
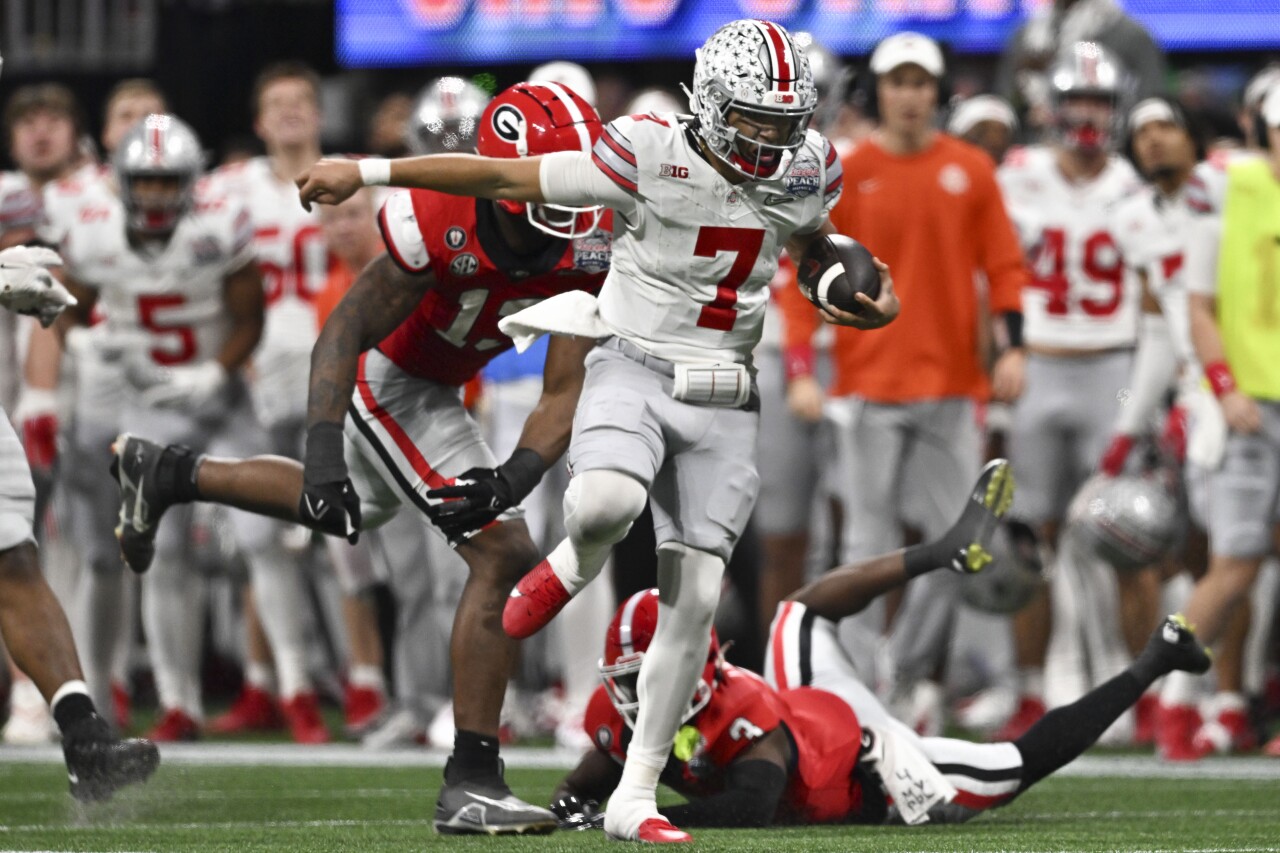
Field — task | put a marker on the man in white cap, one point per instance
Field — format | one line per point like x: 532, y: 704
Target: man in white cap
x: 986, y: 121
x: 930, y: 206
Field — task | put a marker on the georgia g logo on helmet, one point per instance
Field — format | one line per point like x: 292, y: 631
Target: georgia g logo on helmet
x: 508, y: 123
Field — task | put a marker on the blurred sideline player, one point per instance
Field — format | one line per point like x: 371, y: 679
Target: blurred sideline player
x: 32, y: 624
x: 810, y: 743
x: 384, y: 399
x: 986, y: 121
x: 1234, y: 305
x: 169, y: 259
x: 42, y: 126
x: 1081, y: 324
x: 294, y: 262
x: 1151, y: 229
x: 683, y: 303
x: 908, y: 442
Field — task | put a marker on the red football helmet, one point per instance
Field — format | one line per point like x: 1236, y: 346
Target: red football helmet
x: 626, y: 641
x: 530, y: 119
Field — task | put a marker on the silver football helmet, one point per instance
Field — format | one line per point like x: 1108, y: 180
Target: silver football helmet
x: 1015, y: 575
x: 159, y: 146
x: 1128, y: 521
x: 445, y: 117
x: 756, y: 69
x: 1087, y: 69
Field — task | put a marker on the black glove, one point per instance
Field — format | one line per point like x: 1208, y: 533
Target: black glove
x: 329, y: 502
x: 573, y: 813
x: 482, y: 494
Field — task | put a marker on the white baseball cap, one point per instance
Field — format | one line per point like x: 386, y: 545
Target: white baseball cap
x: 908, y: 48
x: 1271, y: 106
x: 980, y: 108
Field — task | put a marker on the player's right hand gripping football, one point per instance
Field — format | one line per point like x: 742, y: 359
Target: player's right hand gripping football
x: 27, y: 287
x: 875, y: 313
x: 329, y: 502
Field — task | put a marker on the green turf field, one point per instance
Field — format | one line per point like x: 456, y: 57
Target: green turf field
x: 198, y: 807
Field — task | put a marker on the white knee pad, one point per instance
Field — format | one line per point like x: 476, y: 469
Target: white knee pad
x: 600, y: 505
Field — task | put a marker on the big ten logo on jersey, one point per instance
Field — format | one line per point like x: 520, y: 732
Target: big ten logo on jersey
x: 294, y: 263
x: 1095, y: 287
x: 592, y: 252
x: 670, y: 170
x: 805, y: 176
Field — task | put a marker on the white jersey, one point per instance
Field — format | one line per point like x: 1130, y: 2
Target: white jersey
x: 693, y: 254
x: 1152, y: 230
x: 295, y: 266
x: 19, y: 210
x: 162, y: 302
x: 1079, y: 294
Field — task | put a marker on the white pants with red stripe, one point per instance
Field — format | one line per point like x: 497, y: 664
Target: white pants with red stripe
x: 803, y: 651
x: 406, y: 436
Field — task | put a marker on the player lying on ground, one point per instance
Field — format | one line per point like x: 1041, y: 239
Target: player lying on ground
x: 810, y: 743
x: 32, y: 624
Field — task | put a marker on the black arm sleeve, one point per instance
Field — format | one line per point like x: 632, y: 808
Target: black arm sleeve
x: 1013, y: 329
x: 750, y: 798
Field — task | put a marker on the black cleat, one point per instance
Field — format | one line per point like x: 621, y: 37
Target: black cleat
x: 98, y: 764
x: 145, y: 473
x: 1174, y: 646
x: 487, y: 807
x: 991, y: 498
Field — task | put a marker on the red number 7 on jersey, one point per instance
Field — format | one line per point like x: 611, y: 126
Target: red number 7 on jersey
x: 745, y: 243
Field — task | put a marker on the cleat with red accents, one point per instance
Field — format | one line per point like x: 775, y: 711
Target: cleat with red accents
x: 253, y: 711
x: 658, y: 830
x: 302, y: 713
x: 121, y: 706
x: 176, y: 725
x: 1030, y: 710
x: 1176, y: 729
x: 361, y: 706
x: 1230, y: 730
x: 535, y: 601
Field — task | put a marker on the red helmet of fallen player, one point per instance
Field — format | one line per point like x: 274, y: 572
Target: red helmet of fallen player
x: 625, y: 643
x: 530, y: 119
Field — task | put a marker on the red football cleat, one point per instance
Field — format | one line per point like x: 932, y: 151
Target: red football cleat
x: 658, y: 830
x: 534, y: 602
x: 302, y: 713
x: 361, y: 706
x: 174, y: 726
x: 1230, y: 731
x: 1145, y: 713
x: 121, y: 706
x: 1030, y: 710
x: 253, y: 711
x: 1177, y: 726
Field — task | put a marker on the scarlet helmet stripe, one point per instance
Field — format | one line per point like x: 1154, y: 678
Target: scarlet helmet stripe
x: 780, y: 54
x: 155, y: 141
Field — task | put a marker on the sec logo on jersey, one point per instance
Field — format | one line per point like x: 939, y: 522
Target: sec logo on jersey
x: 455, y: 238
x: 464, y: 264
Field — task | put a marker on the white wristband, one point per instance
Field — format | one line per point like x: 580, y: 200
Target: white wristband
x: 375, y: 171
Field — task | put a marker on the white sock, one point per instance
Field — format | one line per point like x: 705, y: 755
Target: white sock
x: 281, y: 599
x: 599, y: 507
x: 1180, y: 688
x: 689, y: 589
x: 260, y: 675
x: 173, y: 611
x: 368, y: 676
x: 1031, y: 682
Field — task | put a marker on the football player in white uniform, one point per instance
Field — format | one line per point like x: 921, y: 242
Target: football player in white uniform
x: 42, y: 123
x: 1081, y: 315
x: 295, y: 266
x: 33, y: 626
x: 169, y: 260
x: 702, y: 208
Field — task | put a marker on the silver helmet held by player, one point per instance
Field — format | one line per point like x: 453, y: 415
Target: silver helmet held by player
x: 159, y: 146
x: 1087, y: 70
x: 1129, y: 521
x: 1015, y: 575
x: 445, y: 117
x: 756, y: 69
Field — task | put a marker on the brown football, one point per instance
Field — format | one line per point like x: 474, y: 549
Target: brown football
x: 835, y: 268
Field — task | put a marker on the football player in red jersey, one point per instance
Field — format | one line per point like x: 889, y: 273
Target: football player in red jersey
x: 808, y: 743
x: 385, y: 400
